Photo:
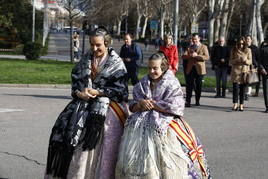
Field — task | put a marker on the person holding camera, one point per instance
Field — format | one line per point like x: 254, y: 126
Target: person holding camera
x: 196, y: 55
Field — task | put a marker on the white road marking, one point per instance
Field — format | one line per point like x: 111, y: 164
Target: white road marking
x: 10, y: 110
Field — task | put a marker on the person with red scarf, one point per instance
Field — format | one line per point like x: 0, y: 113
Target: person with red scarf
x: 171, y: 52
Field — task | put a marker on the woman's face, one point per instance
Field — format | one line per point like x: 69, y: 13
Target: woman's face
x: 97, y: 46
x: 154, y: 68
x: 241, y: 44
x: 168, y: 40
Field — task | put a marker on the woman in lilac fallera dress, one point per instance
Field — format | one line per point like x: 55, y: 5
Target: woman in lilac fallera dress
x: 85, y: 139
x: 157, y: 143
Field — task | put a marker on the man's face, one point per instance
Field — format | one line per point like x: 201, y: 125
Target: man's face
x: 196, y: 40
x: 127, y: 40
x: 221, y: 41
x: 249, y: 41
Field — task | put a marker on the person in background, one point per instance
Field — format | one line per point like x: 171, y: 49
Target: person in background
x: 220, y: 63
x: 132, y: 56
x: 85, y: 138
x: 240, y: 60
x: 76, y: 46
x: 255, y: 60
x: 263, y: 68
x: 146, y: 43
x: 171, y: 52
x: 185, y: 45
x: 151, y: 146
x: 196, y: 55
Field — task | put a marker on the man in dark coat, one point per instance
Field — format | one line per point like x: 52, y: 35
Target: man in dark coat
x: 263, y: 66
x: 220, y: 63
x: 132, y: 56
x: 255, y: 59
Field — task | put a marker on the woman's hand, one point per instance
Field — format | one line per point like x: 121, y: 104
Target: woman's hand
x: 93, y: 92
x: 146, y: 104
x: 85, y: 95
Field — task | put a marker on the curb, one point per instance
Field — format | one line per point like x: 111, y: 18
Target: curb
x: 62, y: 86
x: 59, y: 86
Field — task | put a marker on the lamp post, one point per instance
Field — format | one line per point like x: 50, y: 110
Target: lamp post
x: 33, y: 30
x: 176, y: 18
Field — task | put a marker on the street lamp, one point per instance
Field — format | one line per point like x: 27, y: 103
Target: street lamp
x: 176, y: 17
x: 33, y: 30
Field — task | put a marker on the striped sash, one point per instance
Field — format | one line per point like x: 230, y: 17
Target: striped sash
x: 118, y: 110
x: 187, y: 137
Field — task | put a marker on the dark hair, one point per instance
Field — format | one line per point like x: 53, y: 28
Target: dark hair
x: 248, y: 35
x: 164, y: 61
x: 129, y: 34
x: 238, y: 43
x: 195, y: 34
x: 103, y: 32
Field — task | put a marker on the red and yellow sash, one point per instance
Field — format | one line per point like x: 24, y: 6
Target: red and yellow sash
x: 119, y: 112
x: 189, y: 140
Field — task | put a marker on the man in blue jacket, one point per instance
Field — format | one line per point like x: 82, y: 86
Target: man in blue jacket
x: 132, y: 55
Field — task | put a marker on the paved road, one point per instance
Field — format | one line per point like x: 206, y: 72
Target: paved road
x: 235, y: 142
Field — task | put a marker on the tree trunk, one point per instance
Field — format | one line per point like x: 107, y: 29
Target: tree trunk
x: 144, y: 27
x: 138, y: 27
x: 230, y: 14
x: 211, y: 4
x: 217, y: 29
x: 254, y: 24
x: 224, y: 19
x: 162, y: 22
x: 211, y: 32
x: 258, y: 19
x: 71, y: 42
x: 119, y: 27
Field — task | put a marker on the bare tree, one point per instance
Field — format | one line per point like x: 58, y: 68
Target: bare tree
x: 255, y: 26
x: 71, y: 6
x: 147, y: 14
x: 224, y: 17
x: 214, y: 10
x: 258, y: 19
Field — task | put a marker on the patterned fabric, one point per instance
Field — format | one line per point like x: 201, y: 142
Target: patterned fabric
x: 167, y: 94
x: 81, y: 122
x: 150, y: 148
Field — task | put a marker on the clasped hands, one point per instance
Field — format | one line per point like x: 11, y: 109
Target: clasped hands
x: 146, y: 104
x: 88, y: 93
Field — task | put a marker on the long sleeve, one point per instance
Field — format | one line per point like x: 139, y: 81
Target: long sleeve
x: 203, y: 55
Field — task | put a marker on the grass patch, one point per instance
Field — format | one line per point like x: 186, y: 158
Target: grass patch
x: 16, y: 71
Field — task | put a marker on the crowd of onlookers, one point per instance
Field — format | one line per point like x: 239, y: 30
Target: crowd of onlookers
x: 236, y: 60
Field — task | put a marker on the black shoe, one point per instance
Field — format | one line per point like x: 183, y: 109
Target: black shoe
x: 197, y: 103
x: 266, y: 111
x: 217, y: 96
x: 246, y: 97
x: 188, y: 105
x: 223, y: 96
